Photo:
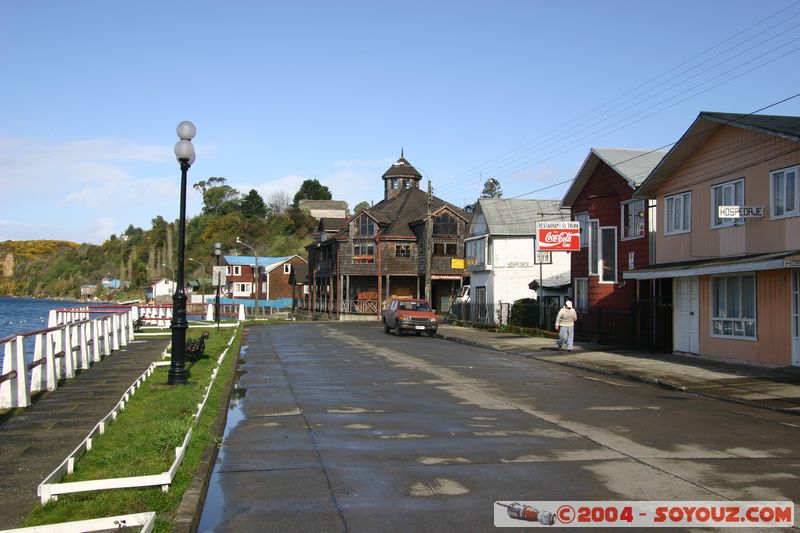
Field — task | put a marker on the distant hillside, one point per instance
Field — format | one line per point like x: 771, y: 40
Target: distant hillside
x: 59, y: 268
x: 20, y: 254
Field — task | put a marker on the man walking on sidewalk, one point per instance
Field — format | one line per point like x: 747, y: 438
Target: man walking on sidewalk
x: 565, y: 324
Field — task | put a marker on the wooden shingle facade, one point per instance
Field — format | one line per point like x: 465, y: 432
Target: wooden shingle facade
x: 381, y: 251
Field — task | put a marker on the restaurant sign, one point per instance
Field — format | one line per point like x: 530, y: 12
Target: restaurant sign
x: 558, y: 237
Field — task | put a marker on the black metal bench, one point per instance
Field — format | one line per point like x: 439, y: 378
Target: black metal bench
x: 196, y: 346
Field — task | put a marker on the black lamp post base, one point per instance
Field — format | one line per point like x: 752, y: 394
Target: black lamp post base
x: 177, y: 376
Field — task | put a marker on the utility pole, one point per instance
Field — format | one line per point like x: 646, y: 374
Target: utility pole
x: 428, y: 245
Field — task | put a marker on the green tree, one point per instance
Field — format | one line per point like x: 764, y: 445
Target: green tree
x: 492, y: 189
x: 312, y: 190
x: 253, y: 205
x: 360, y: 205
x: 220, y: 200
x: 204, y: 185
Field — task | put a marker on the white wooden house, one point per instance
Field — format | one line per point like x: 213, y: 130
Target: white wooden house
x: 502, y: 260
x: 160, y: 289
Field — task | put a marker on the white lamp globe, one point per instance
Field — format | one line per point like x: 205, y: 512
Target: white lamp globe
x: 184, y: 150
x: 186, y: 130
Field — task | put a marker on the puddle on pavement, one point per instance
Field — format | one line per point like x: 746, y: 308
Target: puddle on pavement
x: 215, y: 499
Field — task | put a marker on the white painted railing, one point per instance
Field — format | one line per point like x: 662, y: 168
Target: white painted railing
x: 72, y: 341
x: 51, y: 487
x: 155, y: 315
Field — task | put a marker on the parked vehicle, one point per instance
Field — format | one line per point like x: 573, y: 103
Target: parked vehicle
x: 409, y: 314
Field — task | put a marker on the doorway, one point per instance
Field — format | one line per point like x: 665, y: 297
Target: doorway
x: 687, y: 315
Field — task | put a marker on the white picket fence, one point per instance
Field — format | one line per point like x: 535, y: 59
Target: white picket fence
x: 74, y: 340
x: 50, y: 488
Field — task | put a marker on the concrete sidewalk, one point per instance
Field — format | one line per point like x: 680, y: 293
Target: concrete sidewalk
x: 768, y: 388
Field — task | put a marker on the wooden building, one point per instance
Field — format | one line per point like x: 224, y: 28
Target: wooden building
x: 382, y: 250
x: 272, y: 286
x: 728, y: 239
x: 615, y: 237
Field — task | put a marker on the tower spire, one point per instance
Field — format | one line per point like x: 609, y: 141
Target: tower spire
x: 401, y: 151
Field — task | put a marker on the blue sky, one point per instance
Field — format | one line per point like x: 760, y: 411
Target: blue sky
x: 286, y: 91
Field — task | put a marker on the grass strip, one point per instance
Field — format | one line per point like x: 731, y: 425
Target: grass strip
x: 142, y: 441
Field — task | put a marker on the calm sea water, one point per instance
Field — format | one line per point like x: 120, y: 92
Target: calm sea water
x: 18, y: 315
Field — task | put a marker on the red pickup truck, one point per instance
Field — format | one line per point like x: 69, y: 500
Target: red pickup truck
x: 409, y: 314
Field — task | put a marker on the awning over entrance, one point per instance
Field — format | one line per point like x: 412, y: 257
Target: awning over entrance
x: 721, y: 265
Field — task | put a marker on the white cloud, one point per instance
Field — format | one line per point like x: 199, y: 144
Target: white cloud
x: 78, y: 190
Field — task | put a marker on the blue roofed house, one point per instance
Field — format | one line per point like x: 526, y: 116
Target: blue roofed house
x: 272, y: 287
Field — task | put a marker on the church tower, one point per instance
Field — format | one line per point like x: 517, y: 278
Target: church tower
x: 401, y: 176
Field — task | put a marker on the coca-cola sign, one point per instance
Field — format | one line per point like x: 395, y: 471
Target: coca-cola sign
x: 558, y: 236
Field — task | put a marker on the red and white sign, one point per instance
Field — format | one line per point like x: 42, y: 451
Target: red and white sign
x: 558, y: 237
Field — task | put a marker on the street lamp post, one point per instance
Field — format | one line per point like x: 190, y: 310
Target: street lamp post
x: 184, y: 152
x: 217, y: 254
x: 256, y: 276
x: 202, y: 284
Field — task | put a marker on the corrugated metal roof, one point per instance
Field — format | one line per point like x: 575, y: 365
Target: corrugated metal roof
x: 518, y: 216
x: 632, y: 165
x: 250, y: 260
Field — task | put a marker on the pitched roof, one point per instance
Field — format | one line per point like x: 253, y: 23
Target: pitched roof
x: 397, y: 215
x: 517, y: 216
x: 702, y: 128
x: 632, y: 165
x: 322, y: 204
x: 331, y: 224
x: 402, y: 169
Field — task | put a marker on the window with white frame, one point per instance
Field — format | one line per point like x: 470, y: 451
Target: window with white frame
x: 243, y: 287
x: 678, y: 213
x: 608, y: 254
x: 729, y: 193
x: 632, y: 219
x: 287, y: 268
x: 583, y: 221
x: 733, y: 306
x: 234, y: 270
x: 784, y: 192
x: 582, y: 294
x: 594, y: 251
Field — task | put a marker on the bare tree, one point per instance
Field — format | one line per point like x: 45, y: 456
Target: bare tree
x: 278, y: 203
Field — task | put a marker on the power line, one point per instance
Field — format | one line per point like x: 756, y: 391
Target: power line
x: 506, y: 160
x: 669, y: 145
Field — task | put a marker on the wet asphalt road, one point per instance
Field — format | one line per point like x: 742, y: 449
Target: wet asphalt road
x: 340, y: 427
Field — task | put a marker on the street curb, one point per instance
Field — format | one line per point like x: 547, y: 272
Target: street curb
x: 664, y: 384
x: 187, y: 516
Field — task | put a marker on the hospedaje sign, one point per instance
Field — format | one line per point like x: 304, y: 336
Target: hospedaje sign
x: 558, y: 237
x: 740, y: 211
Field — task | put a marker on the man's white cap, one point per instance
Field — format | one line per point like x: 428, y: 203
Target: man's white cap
x: 568, y: 304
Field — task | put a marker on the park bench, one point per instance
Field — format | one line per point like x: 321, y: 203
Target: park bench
x: 137, y: 325
x: 196, y: 346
